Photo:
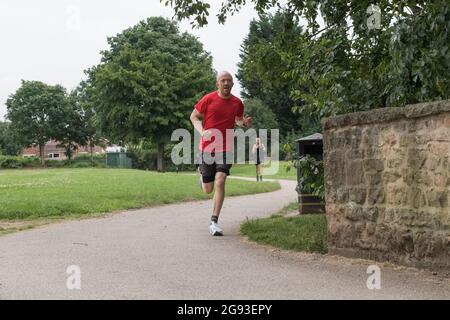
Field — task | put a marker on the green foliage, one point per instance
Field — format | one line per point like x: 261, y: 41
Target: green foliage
x: 262, y: 65
x: 57, y: 163
x: 39, y: 112
x: 87, y: 134
x: 420, y: 51
x: 311, y: 176
x: 287, y: 145
x: 81, y: 161
x: 13, y: 162
x: 82, y: 164
x: 199, y: 9
x: 148, y: 82
x: 344, y: 70
x: 145, y: 154
x: 263, y: 117
x: 10, y: 142
x: 345, y: 66
x: 99, y: 158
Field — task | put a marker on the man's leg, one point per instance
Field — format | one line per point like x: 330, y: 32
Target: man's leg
x: 219, y: 194
x: 208, y: 187
x: 207, y: 172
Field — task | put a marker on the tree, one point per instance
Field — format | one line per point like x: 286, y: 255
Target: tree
x: 261, y: 66
x: 87, y: 133
x: 38, y: 113
x: 348, y: 64
x: 10, y: 142
x: 74, y: 133
x: 263, y: 117
x: 148, y: 82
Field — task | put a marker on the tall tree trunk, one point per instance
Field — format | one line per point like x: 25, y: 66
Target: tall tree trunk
x: 69, y: 151
x: 160, y: 157
x: 41, y: 153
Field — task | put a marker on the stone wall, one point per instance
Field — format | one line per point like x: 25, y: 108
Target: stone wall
x: 387, y: 181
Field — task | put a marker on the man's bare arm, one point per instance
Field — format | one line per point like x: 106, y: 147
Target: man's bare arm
x: 197, y: 121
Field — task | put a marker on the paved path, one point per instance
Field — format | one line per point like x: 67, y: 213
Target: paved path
x: 167, y: 253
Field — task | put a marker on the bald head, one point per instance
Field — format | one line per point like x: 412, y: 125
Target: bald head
x: 224, y: 82
x: 222, y: 74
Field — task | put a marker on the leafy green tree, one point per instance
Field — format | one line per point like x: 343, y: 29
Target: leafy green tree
x: 350, y: 64
x: 263, y: 117
x: 87, y: 133
x: 38, y: 113
x: 11, y: 143
x: 262, y: 66
x: 74, y: 133
x: 148, y: 82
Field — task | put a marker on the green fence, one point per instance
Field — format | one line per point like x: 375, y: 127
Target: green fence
x: 118, y: 160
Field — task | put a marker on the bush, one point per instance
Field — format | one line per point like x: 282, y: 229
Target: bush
x: 145, y: 158
x: 312, y: 175
x: 82, y: 161
x: 87, y: 157
x: 55, y: 163
x: 81, y: 164
x: 12, y: 162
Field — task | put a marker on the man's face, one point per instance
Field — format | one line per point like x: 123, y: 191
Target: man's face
x: 225, y: 84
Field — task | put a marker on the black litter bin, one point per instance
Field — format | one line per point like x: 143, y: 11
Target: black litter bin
x: 311, y: 145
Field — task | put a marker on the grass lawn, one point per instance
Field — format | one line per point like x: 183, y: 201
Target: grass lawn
x: 58, y: 193
x: 248, y: 170
x: 300, y: 233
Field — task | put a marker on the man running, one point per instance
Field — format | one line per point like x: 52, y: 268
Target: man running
x: 212, y: 116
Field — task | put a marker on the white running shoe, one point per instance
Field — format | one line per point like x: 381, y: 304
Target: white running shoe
x: 215, y: 230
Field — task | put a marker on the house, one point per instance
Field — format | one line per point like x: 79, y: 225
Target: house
x: 52, y: 151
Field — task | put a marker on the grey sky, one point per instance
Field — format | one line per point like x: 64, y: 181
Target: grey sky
x: 55, y: 40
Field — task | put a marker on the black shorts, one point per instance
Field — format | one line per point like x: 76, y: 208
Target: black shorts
x: 209, y: 168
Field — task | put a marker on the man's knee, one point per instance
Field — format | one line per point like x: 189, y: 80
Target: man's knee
x: 208, y: 187
x: 220, y: 179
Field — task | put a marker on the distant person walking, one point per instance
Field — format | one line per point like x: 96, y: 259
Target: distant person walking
x: 217, y: 112
x: 259, y: 151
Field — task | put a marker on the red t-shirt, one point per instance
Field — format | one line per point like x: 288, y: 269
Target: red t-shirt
x: 219, y: 113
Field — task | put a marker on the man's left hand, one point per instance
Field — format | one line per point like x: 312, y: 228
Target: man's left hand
x: 247, y: 121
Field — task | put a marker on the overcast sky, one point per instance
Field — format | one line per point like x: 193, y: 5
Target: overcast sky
x: 55, y: 40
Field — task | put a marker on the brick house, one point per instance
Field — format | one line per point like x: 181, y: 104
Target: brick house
x: 53, y: 152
